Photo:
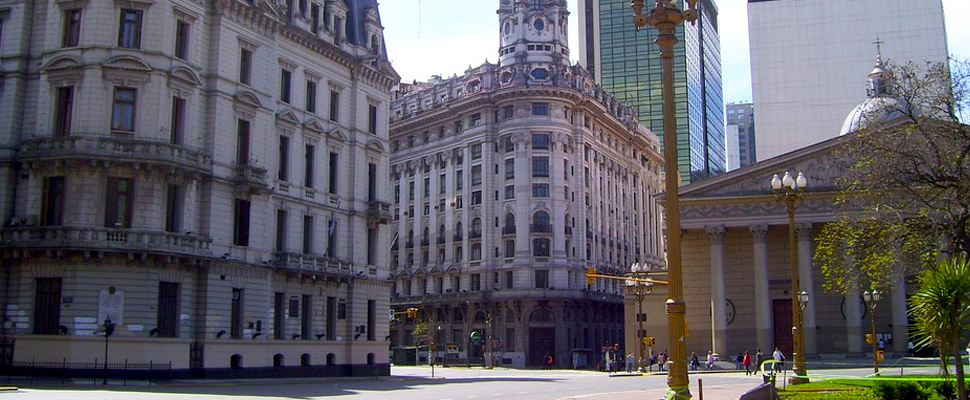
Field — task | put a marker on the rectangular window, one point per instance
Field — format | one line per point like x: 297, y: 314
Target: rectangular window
x: 182, y: 39
x: 47, y: 306
x: 286, y: 79
x: 314, y: 18
x: 372, y: 119
x: 333, y: 173
x: 509, y: 280
x: 118, y: 203
x: 178, y: 121
x: 476, y: 197
x: 540, y: 141
x: 542, y: 279
x: 509, y: 344
x: 509, y: 192
x: 540, y: 108
x: 306, y: 321
x: 129, y: 33
x: 442, y: 184
x: 307, y: 234
x: 240, y: 226
x: 371, y: 246
x: 53, y: 201
x: 540, y: 167
x: 308, y: 166
x: 458, y: 202
x: 334, y: 105
x: 540, y: 190
x: 64, y: 111
x: 123, y: 110
x: 476, y: 282
x: 173, y: 208
x: 510, y: 168
x: 279, y: 315
x: 284, y: 158
x: 245, y: 66
x: 476, y: 175
x: 459, y: 182
x: 427, y: 187
x: 371, y: 320
x: 168, y: 309
x: 72, y: 28
x: 281, y: 230
x: 311, y: 96
x: 342, y: 309
x: 331, y: 318
x: 242, y: 142
x: 476, y: 151
x: 508, y: 112
x: 236, y: 314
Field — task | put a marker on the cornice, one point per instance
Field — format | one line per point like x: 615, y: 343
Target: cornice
x: 249, y: 15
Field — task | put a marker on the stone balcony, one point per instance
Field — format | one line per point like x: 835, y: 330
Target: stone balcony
x: 249, y: 178
x: 101, y: 239
x: 114, y: 149
x: 313, y: 264
x: 379, y: 212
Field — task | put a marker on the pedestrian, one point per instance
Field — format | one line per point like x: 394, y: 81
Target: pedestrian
x: 779, y: 360
x: 653, y: 360
x: 759, y: 358
x: 710, y: 360
x: 630, y: 359
x: 662, y: 361
x: 746, y: 361
x: 910, y: 348
x: 738, y: 360
x: 693, y: 361
x: 548, y: 361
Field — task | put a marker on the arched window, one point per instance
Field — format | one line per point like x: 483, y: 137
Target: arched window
x: 509, y: 224
x: 459, y: 230
x: 331, y: 359
x: 540, y: 222
x: 458, y: 255
x: 425, y: 236
x: 509, y: 248
x: 476, y: 229
x: 375, y: 44
x: 235, y: 362
x: 278, y: 360
x: 410, y: 241
x: 305, y: 360
x: 441, y: 234
x: 371, y: 359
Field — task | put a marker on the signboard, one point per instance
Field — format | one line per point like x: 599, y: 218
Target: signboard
x: 111, y: 305
x: 475, y: 337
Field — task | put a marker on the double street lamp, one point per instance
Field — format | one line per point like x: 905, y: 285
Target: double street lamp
x: 639, y: 288
x: 872, y: 298
x: 791, y: 190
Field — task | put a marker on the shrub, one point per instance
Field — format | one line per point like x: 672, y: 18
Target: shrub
x: 900, y: 391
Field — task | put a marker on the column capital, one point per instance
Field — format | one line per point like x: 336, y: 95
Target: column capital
x: 760, y: 232
x: 804, y: 231
x: 716, y: 233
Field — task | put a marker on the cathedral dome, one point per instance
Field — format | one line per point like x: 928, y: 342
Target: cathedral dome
x: 879, y: 107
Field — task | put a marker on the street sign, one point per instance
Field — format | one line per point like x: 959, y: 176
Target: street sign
x: 476, y: 337
x: 391, y: 314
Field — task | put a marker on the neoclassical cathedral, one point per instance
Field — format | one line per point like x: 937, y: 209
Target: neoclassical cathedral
x: 508, y: 182
x: 205, y: 178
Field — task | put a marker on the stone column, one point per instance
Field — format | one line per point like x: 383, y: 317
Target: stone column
x: 764, y: 323
x: 853, y: 321
x: 806, y: 279
x: 900, y: 317
x: 718, y: 301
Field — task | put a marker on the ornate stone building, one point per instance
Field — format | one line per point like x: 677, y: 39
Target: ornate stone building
x: 191, y: 170
x: 508, y: 182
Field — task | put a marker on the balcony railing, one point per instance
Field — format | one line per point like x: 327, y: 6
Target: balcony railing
x: 105, y: 239
x: 314, y: 263
x: 249, y: 175
x: 441, y: 239
x: 569, y: 230
x: 540, y: 228
x: 425, y: 242
x: 117, y: 149
x: 508, y: 230
x: 458, y: 237
x: 379, y: 211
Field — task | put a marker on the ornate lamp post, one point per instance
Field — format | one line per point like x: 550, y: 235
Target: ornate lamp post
x: 872, y: 298
x: 791, y: 190
x: 639, y: 289
x: 665, y: 17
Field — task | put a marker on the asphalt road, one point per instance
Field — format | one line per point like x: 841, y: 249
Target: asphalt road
x: 415, y: 383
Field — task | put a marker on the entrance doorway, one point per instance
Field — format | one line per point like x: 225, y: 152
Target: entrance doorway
x: 783, y: 324
x: 542, y: 341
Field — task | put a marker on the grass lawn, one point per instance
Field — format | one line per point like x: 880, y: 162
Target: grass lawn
x: 836, y: 389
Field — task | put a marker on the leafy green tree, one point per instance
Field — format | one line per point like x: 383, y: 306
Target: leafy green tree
x: 940, y: 308
x: 904, y: 194
x: 423, y: 333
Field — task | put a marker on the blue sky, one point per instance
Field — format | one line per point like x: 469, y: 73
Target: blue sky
x: 445, y: 37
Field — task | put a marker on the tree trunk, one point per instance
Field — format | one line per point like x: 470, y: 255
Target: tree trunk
x: 961, y: 384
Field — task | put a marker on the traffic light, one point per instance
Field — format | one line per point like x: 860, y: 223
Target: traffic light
x: 590, y: 272
x: 652, y: 340
x: 412, y: 312
x: 880, y: 355
x: 869, y: 338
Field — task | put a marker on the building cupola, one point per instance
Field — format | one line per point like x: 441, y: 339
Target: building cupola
x: 533, y: 41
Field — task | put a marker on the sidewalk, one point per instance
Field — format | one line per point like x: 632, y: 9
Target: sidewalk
x: 722, y: 392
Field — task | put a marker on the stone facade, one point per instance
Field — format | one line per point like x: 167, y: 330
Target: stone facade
x: 191, y: 170
x: 508, y: 182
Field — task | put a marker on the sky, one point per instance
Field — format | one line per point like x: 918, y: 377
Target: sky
x: 446, y: 37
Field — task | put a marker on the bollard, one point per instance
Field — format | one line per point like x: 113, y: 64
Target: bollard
x: 700, y: 388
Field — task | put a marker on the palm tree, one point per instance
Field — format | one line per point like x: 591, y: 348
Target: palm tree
x: 941, y: 310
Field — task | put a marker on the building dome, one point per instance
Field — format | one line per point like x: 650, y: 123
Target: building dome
x: 879, y: 107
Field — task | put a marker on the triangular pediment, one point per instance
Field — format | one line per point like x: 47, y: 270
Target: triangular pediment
x: 287, y: 116
x: 376, y: 145
x: 339, y: 135
x: 314, y: 126
x: 817, y: 162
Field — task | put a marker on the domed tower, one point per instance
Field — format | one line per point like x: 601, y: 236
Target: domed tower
x: 533, y: 45
x: 881, y: 106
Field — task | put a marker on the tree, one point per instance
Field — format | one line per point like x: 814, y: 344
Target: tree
x: 423, y: 333
x: 940, y: 308
x: 905, y: 192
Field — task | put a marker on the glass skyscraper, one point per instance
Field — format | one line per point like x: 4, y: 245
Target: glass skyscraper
x: 627, y: 64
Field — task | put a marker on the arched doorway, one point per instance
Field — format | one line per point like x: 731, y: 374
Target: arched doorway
x: 542, y: 336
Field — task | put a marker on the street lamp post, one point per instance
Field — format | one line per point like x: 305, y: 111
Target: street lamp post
x: 665, y: 17
x: 639, y: 289
x: 108, y: 329
x: 872, y: 298
x: 790, y: 191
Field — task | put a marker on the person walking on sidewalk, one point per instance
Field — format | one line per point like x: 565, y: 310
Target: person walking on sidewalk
x: 759, y: 358
x: 710, y: 360
x: 746, y: 361
x: 779, y: 360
